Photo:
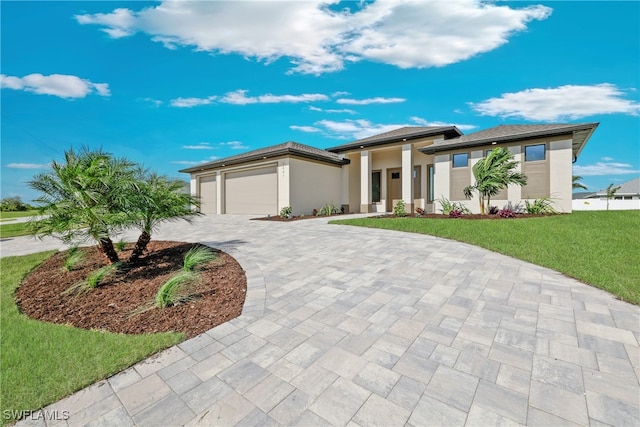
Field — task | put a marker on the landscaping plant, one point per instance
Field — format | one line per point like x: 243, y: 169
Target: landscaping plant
x: 400, y: 209
x: 611, y: 191
x: 506, y: 213
x: 540, y: 206
x: 492, y: 174
x: 197, y: 256
x: 328, y: 209
x: 286, y: 212
x: 175, y: 290
x: 74, y: 257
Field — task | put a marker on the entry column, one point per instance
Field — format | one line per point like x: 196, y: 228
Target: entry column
x: 407, y: 176
x: 365, y: 181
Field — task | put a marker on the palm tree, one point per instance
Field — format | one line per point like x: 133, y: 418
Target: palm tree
x: 160, y: 199
x: 82, y: 198
x: 576, y: 184
x: 492, y: 174
x: 611, y: 191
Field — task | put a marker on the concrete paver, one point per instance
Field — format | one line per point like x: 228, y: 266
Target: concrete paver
x: 354, y: 326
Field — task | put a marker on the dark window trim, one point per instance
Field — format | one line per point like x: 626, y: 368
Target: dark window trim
x: 536, y: 145
x: 453, y: 163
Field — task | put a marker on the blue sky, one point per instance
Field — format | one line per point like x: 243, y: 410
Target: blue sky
x: 173, y: 84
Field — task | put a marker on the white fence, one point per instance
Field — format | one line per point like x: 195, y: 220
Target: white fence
x: 601, y: 205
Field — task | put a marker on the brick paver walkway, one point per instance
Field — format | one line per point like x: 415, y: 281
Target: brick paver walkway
x: 346, y: 325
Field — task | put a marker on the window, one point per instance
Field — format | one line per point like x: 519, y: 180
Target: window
x: 460, y: 160
x: 430, y: 177
x: 395, y: 175
x: 375, y: 187
x: 534, y: 153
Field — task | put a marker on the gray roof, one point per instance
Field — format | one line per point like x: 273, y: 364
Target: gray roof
x: 582, y: 195
x: 287, y: 148
x: 631, y: 187
x: 509, y: 133
x: 397, y: 135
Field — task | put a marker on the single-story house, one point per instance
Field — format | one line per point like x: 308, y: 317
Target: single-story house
x: 416, y: 164
x: 629, y: 190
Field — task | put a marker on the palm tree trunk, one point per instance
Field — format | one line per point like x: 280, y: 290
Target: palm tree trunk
x: 481, y: 197
x: 141, y: 246
x: 489, y: 203
x: 106, y: 246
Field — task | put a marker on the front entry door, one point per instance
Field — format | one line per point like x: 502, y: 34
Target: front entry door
x: 394, y: 187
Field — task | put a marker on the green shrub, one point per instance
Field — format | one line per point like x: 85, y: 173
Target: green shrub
x: 197, y: 256
x: 120, y: 245
x: 286, y: 212
x: 176, y: 289
x: 446, y: 206
x: 400, y: 209
x: 74, y: 257
x: 540, y: 206
x: 328, y: 209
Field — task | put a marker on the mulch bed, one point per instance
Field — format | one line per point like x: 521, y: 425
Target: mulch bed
x: 220, y: 296
x: 293, y: 218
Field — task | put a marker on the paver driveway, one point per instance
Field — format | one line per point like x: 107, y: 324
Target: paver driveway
x: 346, y: 325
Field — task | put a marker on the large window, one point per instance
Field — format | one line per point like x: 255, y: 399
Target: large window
x: 375, y: 186
x: 460, y: 160
x: 534, y: 153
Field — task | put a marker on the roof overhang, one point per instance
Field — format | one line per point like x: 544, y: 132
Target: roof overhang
x: 580, y: 135
x: 448, y: 132
x: 287, y: 151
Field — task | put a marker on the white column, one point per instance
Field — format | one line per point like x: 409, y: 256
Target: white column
x: 560, y: 170
x: 284, y: 184
x: 474, y: 203
x: 407, y: 176
x: 514, y: 192
x: 193, y: 188
x: 441, y: 178
x: 365, y: 181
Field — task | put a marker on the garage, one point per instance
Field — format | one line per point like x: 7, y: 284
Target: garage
x: 208, y: 193
x: 252, y: 191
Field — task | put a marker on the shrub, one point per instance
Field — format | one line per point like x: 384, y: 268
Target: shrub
x: 286, y: 212
x: 74, y: 257
x: 120, y: 245
x: 456, y: 213
x: 506, y: 213
x: 540, y: 206
x: 329, y: 209
x: 176, y: 289
x: 400, y: 209
x: 447, y: 206
x: 197, y: 256
x: 315, y: 212
x: 420, y: 211
x: 493, y: 210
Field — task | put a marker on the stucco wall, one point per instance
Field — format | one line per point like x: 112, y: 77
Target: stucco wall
x: 560, y: 170
x: 312, y: 185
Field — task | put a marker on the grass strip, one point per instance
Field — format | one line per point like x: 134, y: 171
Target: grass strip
x: 600, y: 248
x: 13, y: 230
x: 44, y: 362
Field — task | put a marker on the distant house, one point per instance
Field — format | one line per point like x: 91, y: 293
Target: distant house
x: 418, y: 165
x: 627, y: 197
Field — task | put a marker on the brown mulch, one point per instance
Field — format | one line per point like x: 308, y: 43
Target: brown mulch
x: 293, y: 218
x: 111, y: 306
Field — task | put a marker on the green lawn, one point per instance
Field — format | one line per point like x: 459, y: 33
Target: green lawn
x: 12, y: 215
x: 43, y: 362
x: 600, y: 248
x: 13, y: 230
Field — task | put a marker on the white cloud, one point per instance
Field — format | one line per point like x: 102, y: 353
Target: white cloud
x: 201, y: 146
x: 317, y: 39
x: 605, y: 168
x: 340, y: 93
x: 192, y: 102
x: 27, y: 165
x: 357, y: 129
x: 61, y: 85
x: 234, y: 145
x: 322, y: 110
x: 154, y: 102
x: 239, y: 97
x: 607, y: 159
x: 308, y: 129
x: 367, y: 101
x: 187, y: 162
x: 564, y: 102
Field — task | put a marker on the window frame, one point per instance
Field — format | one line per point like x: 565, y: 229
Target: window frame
x: 373, y: 192
x: 544, y: 152
x: 453, y: 160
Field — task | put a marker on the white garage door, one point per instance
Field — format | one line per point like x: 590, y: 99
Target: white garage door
x: 208, y: 194
x: 253, y: 192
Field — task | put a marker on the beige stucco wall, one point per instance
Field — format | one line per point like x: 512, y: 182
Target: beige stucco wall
x: 442, y: 171
x: 560, y: 169
x: 312, y: 185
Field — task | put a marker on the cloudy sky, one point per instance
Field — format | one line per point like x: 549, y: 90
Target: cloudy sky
x: 174, y: 83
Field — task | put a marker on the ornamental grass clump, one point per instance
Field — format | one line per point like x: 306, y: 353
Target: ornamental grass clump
x: 74, y: 257
x: 176, y: 289
x: 540, y: 206
x: 197, y: 256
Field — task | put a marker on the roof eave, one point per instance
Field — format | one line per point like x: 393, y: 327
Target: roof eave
x: 447, y: 131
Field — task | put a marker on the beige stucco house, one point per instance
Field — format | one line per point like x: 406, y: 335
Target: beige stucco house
x: 416, y: 164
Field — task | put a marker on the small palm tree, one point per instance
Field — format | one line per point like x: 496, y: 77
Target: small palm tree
x: 492, y: 174
x: 82, y: 198
x: 611, y: 191
x: 576, y: 184
x: 159, y: 200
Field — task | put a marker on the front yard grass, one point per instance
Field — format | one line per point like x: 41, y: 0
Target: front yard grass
x: 41, y: 362
x: 12, y: 215
x: 13, y: 230
x: 601, y: 248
